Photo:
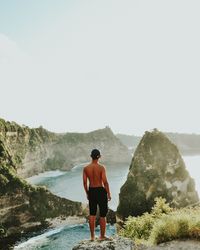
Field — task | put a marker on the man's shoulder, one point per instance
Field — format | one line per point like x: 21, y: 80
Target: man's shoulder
x: 102, y: 166
x: 87, y: 166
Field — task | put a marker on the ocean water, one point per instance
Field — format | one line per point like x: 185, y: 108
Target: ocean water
x: 62, y: 238
x: 69, y: 185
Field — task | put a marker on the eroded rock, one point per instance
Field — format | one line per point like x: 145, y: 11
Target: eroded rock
x: 116, y: 243
x: 157, y: 169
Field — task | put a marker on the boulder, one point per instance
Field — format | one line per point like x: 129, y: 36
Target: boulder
x: 115, y: 243
x: 157, y: 170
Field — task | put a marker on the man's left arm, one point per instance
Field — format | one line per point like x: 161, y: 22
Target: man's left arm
x: 85, y: 182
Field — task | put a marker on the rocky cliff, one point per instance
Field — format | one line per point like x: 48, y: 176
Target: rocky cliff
x: 116, y: 243
x: 157, y: 169
x: 23, y: 207
x: 37, y: 150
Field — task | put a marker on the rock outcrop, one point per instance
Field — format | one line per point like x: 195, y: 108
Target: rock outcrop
x: 174, y: 245
x: 73, y: 148
x: 38, y: 150
x: 157, y: 169
x: 120, y: 243
x: 116, y: 243
x: 24, y: 207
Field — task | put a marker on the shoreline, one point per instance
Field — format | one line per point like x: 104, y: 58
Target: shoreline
x: 50, y: 224
x: 65, y: 221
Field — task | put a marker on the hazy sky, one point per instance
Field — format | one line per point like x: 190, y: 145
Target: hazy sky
x: 79, y: 65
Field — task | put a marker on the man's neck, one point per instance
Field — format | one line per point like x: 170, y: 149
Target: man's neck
x: 95, y: 161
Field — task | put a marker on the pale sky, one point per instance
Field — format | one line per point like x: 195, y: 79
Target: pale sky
x: 79, y: 65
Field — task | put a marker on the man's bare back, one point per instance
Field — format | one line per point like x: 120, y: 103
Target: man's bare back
x: 96, y: 174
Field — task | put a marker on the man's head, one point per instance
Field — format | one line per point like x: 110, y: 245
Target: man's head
x: 95, y: 154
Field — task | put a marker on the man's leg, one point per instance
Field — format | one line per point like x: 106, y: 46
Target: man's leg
x: 103, y: 207
x: 92, y: 220
x: 102, y: 227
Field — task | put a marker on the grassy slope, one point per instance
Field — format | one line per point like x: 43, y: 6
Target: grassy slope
x: 163, y: 224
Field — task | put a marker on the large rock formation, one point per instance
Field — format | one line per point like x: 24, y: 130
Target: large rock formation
x: 117, y: 243
x: 24, y: 207
x: 74, y: 148
x: 157, y: 169
x: 37, y: 150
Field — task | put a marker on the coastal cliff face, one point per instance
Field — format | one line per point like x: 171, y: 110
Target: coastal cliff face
x: 38, y: 150
x: 29, y: 147
x: 157, y: 169
x: 25, y: 152
x: 24, y: 207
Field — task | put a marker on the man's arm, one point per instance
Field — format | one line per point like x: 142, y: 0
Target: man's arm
x: 85, y: 182
x: 105, y: 183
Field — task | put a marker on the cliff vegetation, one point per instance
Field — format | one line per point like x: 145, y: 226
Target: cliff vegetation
x: 163, y: 224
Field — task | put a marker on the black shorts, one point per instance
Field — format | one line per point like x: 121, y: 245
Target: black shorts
x: 98, y: 196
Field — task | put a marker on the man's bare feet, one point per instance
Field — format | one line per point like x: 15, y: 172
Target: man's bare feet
x: 104, y: 238
x: 93, y: 238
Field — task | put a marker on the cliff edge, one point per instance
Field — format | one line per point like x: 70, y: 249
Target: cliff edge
x: 23, y: 207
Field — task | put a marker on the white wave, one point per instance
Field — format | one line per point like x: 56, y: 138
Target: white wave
x: 46, y: 174
x: 38, y: 240
x: 81, y: 165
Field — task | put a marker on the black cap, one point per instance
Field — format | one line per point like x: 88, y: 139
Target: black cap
x: 95, y: 154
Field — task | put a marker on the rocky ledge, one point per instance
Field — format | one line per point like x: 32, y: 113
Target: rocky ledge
x: 175, y: 245
x: 116, y: 243
x: 121, y: 243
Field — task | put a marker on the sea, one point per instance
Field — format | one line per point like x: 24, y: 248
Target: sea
x: 68, y: 184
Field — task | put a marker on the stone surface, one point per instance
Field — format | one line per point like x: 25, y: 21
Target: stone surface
x: 116, y: 243
x: 157, y: 169
x: 175, y: 245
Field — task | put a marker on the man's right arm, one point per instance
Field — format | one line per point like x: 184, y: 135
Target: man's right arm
x: 85, y: 182
x: 105, y: 183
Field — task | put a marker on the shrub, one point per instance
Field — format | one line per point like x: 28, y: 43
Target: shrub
x: 3, y: 180
x: 160, y: 207
x: 169, y: 227
x: 139, y: 228
x: 163, y: 224
x: 2, y: 231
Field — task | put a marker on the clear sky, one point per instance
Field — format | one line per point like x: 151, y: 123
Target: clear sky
x: 79, y: 65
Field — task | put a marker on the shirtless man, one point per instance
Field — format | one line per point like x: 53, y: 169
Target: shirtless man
x: 98, y: 192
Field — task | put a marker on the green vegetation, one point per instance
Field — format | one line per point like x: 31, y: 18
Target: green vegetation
x: 57, y: 162
x: 163, y: 224
x: 21, y: 139
x: 77, y: 138
x: 2, y: 231
x: 10, y: 182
